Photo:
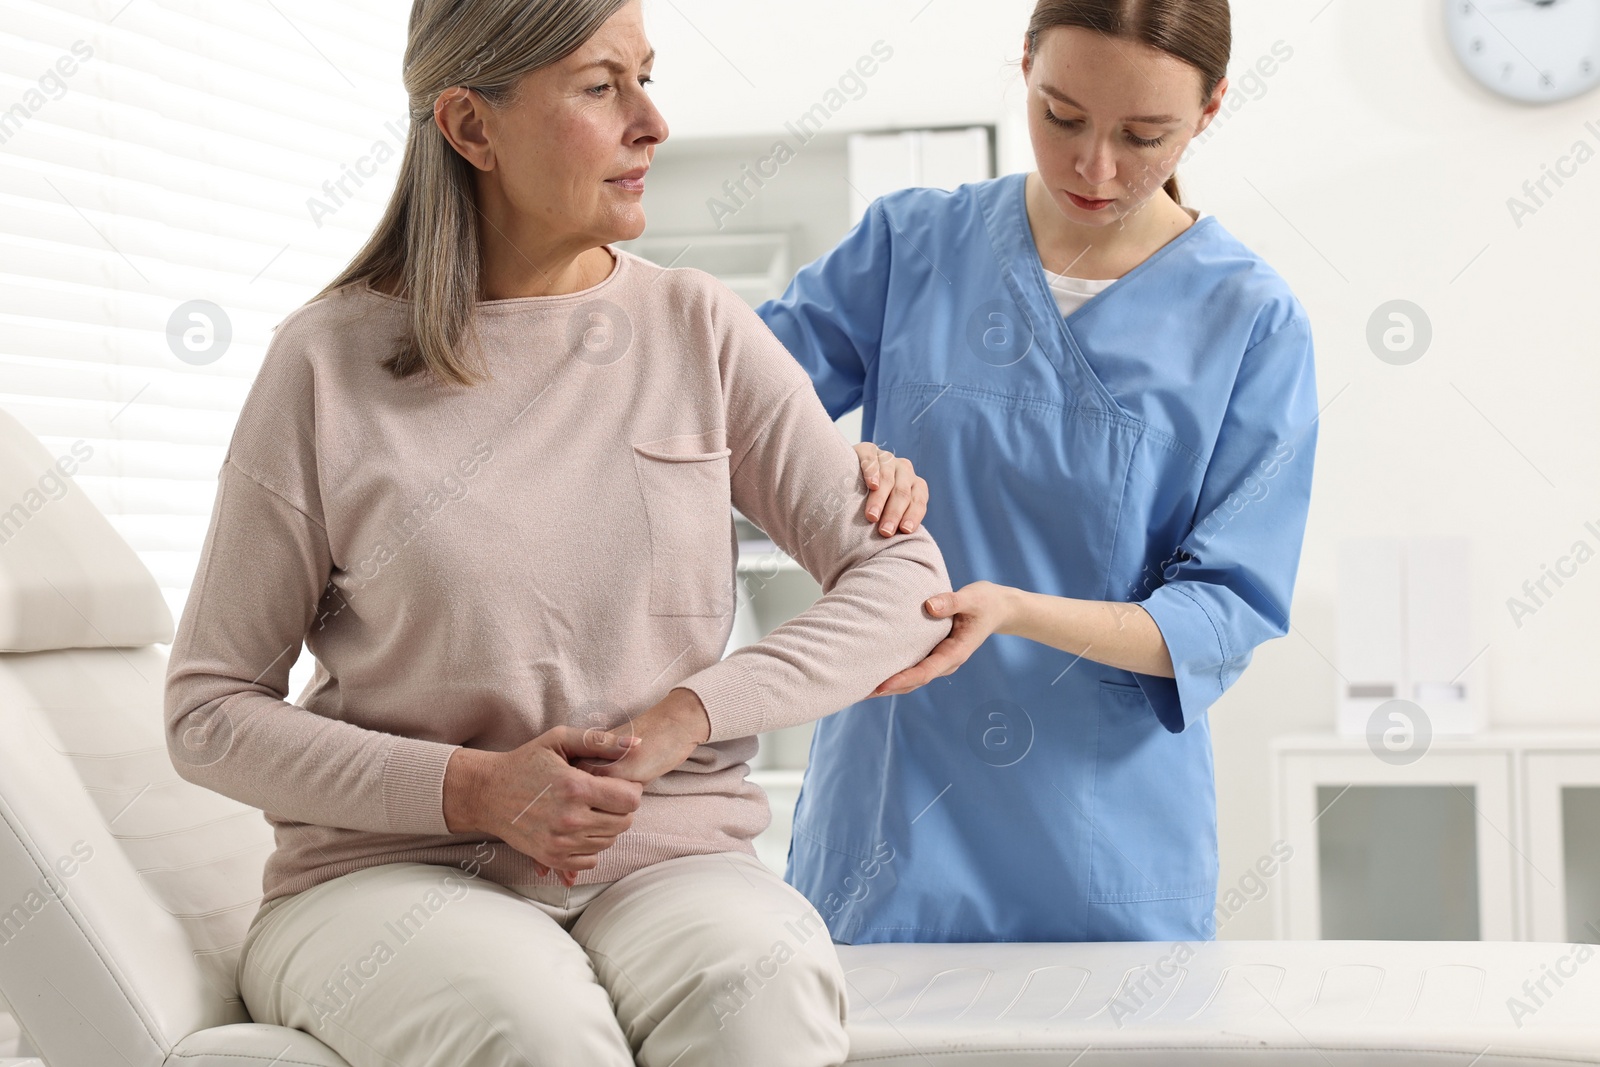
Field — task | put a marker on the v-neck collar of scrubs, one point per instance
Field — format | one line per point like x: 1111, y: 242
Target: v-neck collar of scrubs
x: 1011, y: 235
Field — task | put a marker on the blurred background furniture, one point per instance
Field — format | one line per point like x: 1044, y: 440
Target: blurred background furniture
x: 1485, y: 836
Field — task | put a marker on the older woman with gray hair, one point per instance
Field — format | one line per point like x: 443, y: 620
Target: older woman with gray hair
x: 486, y: 476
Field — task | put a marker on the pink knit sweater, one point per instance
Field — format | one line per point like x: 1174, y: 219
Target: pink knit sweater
x: 472, y: 566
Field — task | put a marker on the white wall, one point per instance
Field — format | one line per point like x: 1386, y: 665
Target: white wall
x: 1372, y: 169
x: 1366, y: 168
x: 729, y: 67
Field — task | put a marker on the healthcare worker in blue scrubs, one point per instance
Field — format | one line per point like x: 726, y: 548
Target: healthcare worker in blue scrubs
x: 1113, y: 403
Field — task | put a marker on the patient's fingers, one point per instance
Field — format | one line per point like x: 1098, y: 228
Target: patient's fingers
x: 567, y: 877
x: 609, y: 769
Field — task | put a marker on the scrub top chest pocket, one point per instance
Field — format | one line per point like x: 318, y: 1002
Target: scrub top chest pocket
x: 689, y: 510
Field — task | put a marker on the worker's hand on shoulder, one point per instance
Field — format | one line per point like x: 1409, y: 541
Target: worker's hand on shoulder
x: 894, y: 492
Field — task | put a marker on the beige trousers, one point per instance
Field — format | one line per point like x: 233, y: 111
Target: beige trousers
x: 700, y: 961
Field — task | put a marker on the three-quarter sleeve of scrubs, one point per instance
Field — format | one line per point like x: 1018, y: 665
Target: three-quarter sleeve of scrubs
x: 1229, y: 586
x: 831, y: 317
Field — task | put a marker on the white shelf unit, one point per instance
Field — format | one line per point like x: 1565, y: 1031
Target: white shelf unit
x: 1508, y: 821
x: 930, y: 158
x: 754, y: 265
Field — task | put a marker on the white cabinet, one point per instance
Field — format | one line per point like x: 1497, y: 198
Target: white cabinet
x: 1493, y: 837
x: 1404, y: 633
x: 1560, y: 864
x: 942, y: 159
x: 754, y: 265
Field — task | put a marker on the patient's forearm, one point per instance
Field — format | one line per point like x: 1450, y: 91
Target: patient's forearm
x: 681, y: 711
x: 1116, y: 634
x: 669, y: 733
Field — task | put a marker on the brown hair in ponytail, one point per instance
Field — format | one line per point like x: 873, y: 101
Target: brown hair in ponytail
x: 1199, y: 32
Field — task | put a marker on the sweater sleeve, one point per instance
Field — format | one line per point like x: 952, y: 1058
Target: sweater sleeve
x: 794, y: 475
x: 264, y: 568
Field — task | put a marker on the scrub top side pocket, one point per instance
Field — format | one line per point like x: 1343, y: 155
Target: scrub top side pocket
x: 1147, y: 784
x: 688, y: 506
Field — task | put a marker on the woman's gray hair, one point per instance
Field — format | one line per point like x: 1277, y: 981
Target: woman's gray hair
x: 427, y: 241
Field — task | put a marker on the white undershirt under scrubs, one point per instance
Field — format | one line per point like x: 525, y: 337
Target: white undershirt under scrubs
x: 1072, y: 293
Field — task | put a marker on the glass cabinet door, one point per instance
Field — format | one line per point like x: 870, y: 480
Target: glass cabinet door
x: 1421, y: 851
x: 1561, y: 869
x: 1398, y: 862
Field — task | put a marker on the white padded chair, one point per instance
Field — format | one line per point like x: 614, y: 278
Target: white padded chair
x: 125, y: 893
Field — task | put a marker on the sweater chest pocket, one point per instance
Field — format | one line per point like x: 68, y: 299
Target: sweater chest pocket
x: 689, y: 510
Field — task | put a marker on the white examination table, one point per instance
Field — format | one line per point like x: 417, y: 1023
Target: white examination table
x: 1241, y: 1002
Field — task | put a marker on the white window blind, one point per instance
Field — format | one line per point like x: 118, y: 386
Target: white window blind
x: 159, y: 152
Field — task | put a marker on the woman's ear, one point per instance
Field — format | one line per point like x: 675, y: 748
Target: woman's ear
x: 1213, y: 106
x: 460, y: 114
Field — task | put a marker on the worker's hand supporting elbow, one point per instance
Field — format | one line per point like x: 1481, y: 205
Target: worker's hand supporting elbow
x: 536, y: 801
x: 979, y: 611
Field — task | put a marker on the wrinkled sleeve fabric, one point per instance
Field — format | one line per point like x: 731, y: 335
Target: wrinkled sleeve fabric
x: 264, y: 567
x: 793, y: 474
x: 1233, y: 580
x: 831, y: 317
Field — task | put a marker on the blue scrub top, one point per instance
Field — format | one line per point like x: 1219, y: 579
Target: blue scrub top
x: 1156, y: 447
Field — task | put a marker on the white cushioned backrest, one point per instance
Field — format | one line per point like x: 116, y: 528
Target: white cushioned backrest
x: 67, y: 580
x: 125, y: 891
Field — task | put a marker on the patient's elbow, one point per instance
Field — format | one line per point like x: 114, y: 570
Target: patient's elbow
x: 199, y: 739
x: 938, y: 582
x: 934, y: 560
x: 924, y: 549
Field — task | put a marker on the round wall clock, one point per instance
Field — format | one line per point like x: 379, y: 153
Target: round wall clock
x: 1531, y: 51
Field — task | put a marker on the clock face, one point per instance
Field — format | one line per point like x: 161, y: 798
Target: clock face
x: 1535, y: 51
